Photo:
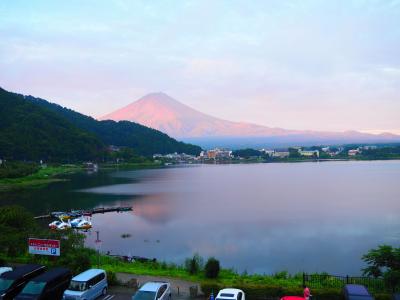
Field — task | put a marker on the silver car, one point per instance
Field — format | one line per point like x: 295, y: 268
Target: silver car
x: 154, y: 290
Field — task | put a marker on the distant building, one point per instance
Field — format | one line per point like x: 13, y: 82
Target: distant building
x: 219, y: 154
x: 310, y: 153
x: 353, y: 152
x: 368, y: 148
x: 268, y: 152
x: 280, y: 154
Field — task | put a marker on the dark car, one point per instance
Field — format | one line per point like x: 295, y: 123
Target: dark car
x: 356, y: 292
x: 396, y: 296
x: 47, y: 286
x: 11, y: 283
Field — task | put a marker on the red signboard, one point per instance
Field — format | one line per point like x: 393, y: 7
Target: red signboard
x: 44, y: 247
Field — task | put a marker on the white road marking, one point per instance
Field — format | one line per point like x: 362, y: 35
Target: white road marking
x: 108, y: 297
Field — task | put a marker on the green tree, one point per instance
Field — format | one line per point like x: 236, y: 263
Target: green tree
x: 194, y: 265
x: 212, y: 268
x: 384, y: 262
x: 16, y: 224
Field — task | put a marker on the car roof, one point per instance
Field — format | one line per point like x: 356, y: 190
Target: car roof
x: 356, y: 289
x: 230, y: 291
x: 88, y: 274
x: 152, y: 286
x: 51, y: 274
x: 21, y: 271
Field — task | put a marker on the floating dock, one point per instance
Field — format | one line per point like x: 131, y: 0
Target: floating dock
x: 98, y: 210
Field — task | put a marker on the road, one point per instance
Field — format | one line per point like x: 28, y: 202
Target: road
x: 179, y: 288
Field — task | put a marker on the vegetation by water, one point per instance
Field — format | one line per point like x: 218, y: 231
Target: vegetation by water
x: 15, y: 176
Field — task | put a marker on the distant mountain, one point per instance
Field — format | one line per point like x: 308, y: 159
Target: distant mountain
x: 161, y: 112
x: 32, y: 128
x: 144, y: 140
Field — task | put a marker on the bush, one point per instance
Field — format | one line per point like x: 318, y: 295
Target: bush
x: 77, y: 262
x: 212, y: 268
x: 194, y: 265
x: 112, y: 278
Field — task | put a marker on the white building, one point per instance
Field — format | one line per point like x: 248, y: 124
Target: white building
x: 280, y: 154
x: 353, y: 152
x: 310, y: 153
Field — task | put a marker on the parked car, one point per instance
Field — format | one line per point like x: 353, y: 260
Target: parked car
x: 154, y: 290
x: 5, y: 269
x: 47, y: 286
x: 88, y: 285
x: 230, y: 294
x: 11, y: 283
x: 396, y: 296
x: 356, y: 292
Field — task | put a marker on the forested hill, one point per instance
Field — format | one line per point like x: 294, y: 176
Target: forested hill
x: 32, y: 132
x: 144, y: 140
x: 33, y: 128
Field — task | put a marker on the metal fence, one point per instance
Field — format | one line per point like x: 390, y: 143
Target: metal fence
x: 376, y: 285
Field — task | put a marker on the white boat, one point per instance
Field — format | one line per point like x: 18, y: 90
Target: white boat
x: 84, y: 224
x: 59, y: 225
x: 63, y: 226
x: 75, y: 222
x: 54, y: 225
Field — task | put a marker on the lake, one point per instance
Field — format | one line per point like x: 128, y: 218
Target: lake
x: 260, y: 218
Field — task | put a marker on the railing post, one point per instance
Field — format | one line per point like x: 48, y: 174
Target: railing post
x: 304, y: 279
x: 347, y: 279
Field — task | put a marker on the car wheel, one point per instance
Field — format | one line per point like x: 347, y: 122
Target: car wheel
x: 104, y: 292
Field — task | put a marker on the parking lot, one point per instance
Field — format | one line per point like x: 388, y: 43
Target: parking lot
x: 179, y: 288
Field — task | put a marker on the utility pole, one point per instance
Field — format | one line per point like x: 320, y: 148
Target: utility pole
x: 98, y: 244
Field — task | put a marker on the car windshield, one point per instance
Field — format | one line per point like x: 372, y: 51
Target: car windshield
x: 33, y: 288
x: 79, y: 286
x: 360, y: 297
x: 5, y: 284
x: 144, y: 295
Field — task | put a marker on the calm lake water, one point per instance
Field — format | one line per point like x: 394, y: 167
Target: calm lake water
x: 255, y: 217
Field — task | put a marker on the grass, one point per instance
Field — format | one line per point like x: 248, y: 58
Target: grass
x: 39, y: 179
x: 127, y: 165
x: 226, y: 276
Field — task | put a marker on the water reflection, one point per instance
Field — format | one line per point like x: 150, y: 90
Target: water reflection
x: 259, y: 218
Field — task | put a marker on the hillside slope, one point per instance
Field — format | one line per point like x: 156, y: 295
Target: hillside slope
x: 31, y: 132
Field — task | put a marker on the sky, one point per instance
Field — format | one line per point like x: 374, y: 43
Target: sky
x: 322, y: 65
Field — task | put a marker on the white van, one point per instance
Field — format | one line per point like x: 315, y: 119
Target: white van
x: 88, y: 285
x: 230, y: 294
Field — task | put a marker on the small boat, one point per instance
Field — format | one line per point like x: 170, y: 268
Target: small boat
x: 54, y: 225
x: 64, y: 217
x: 74, y: 223
x: 64, y: 226
x: 125, y: 209
x: 84, y: 224
x: 59, y: 225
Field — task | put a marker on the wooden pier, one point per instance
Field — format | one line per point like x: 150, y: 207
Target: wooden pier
x: 99, y: 210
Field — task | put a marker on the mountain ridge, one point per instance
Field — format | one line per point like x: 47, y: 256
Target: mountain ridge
x: 164, y: 113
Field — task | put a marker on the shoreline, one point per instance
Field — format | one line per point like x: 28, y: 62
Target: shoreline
x: 52, y: 174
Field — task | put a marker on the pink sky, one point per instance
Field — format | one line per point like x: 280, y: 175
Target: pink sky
x: 291, y: 64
